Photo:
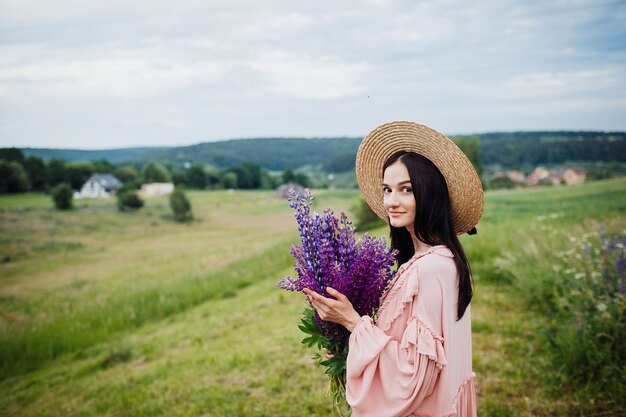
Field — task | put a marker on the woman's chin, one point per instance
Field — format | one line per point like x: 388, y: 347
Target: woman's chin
x: 397, y: 222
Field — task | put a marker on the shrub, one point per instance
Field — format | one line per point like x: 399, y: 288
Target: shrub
x: 501, y: 182
x: 180, y: 206
x: 63, y: 195
x: 128, y: 200
x: 590, y: 340
x: 132, y: 186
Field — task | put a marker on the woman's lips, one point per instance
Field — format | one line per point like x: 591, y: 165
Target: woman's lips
x: 395, y: 213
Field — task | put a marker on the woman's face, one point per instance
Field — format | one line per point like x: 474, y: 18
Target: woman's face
x: 398, y: 196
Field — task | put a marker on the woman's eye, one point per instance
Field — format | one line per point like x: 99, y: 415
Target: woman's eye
x: 386, y: 190
x: 407, y: 189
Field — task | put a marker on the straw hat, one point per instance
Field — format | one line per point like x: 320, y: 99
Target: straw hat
x: 464, y: 187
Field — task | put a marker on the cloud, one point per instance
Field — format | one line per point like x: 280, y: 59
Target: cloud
x: 133, y: 70
x: 110, y: 72
x: 305, y: 77
x: 276, y: 24
x: 163, y: 123
x: 565, y: 83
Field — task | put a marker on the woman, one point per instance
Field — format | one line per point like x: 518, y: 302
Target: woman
x: 416, y: 360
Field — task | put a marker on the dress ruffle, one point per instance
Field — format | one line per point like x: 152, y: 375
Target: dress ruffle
x: 464, y: 401
x: 410, y: 291
x: 465, y: 398
x: 419, y: 336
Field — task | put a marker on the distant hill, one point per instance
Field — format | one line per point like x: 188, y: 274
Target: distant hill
x: 111, y: 155
x: 507, y: 149
x: 271, y: 153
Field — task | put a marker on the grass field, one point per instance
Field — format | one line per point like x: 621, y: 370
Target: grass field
x: 109, y: 313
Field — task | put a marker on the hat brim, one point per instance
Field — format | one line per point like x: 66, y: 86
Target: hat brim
x: 464, y: 187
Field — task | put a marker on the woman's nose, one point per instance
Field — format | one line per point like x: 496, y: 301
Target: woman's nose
x: 391, y: 199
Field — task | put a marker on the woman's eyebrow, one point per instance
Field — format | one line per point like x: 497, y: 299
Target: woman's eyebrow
x: 400, y: 183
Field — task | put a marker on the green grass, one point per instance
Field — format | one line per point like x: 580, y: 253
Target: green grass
x: 30, y: 347
x: 109, y: 313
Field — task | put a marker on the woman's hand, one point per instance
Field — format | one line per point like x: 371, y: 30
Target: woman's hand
x: 327, y: 353
x: 338, y: 311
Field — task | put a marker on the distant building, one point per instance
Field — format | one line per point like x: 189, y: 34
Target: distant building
x: 571, y: 176
x: 516, y: 176
x: 539, y: 176
x: 155, y: 189
x: 100, y: 186
x: 283, y: 190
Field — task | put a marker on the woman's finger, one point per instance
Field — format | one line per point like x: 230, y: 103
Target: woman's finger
x: 339, y: 296
x: 320, y: 306
x: 312, y: 294
x: 320, y: 298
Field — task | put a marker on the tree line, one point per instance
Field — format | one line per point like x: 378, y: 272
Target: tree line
x: 20, y: 174
x: 517, y: 149
x: 509, y: 150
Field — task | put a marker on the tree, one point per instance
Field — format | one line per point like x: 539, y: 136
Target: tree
x: 13, y: 177
x: 288, y: 175
x: 248, y: 175
x: 470, y: 145
x: 302, y: 179
x: 57, y: 173
x: 12, y: 154
x: 62, y: 195
x: 78, y: 173
x: 195, y: 177
x: 103, y: 167
x: 229, y: 180
x: 37, y: 172
x: 298, y: 177
x: 127, y: 174
x: 180, y: 206
x: 269, y: 181
x: 178, y: 177
x: 154, y: 172
x: 127, y: 199
x: 212, y: 176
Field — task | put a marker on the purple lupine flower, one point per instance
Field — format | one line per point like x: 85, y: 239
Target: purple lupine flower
x: 330, y: 255
x: 620, y: 262
x: 287, y: 284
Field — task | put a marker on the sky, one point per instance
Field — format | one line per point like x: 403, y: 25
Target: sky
x: 113, y: 74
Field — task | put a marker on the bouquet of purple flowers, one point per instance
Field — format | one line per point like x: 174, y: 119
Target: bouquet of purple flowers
x: 331, y: 256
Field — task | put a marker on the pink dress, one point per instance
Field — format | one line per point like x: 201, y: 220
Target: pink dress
x: 417, y: 359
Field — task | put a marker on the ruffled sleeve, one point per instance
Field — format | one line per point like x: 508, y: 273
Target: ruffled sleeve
x: 391, y: 377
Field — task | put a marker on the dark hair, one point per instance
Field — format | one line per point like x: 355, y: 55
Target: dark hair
x: 433, y: 223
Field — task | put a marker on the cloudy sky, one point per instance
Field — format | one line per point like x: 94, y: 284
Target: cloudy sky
x: 109, y: 74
